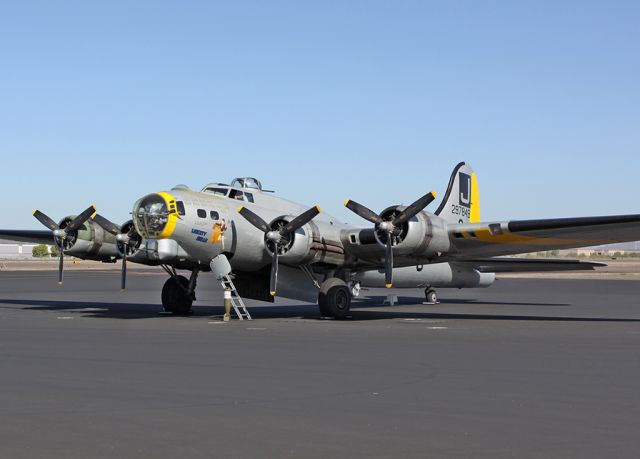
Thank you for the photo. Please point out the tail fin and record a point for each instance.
(461, 202)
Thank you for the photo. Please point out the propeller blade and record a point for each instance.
(254, 219)
(273, 281)
(123, 273)
(362, 211)
(61, 267)
(414, 208)
(107, 225)
(300, 220)
(388, 264)
(45, 220)
(77, 222)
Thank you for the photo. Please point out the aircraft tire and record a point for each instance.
(174, 298)
(334, 299)
(431, 296)
(322, 304)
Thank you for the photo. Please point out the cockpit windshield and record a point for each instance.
(246, 182)
(150, 216)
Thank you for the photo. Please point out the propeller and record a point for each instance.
(390, 226)
(60, 235)
(279, 237)
(124, 242)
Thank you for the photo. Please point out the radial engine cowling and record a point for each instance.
(420, 236)
(89, 242)
(295, 248)
(135, 241)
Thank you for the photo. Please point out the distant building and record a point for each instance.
(11, 250)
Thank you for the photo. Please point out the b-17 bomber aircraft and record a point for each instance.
(272, 246)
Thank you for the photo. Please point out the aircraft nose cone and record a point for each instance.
(151, 215)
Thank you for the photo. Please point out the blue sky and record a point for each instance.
(102, 102)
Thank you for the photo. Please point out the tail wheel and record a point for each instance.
(431, 296)
(174, 296)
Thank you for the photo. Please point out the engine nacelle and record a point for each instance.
(296, 247)
(421, 236)
(135, 247)
(90, 242)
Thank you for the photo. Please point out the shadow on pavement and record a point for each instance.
(373, 301)
(361, 311)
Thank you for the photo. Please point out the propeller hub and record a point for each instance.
(387, 227)
(274, 236)
(124, 238)
(60, 233)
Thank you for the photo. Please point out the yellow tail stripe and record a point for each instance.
(474, 215)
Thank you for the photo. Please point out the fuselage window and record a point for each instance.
(214, 215)
(180, 207)
(249, 197)
(202, 213)
(236, 194)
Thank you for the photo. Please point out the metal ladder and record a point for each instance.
(236, 299)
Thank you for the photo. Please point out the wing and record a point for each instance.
(35, 236)
(524, 236)
(527, 265)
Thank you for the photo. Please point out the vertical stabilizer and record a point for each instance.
(461, 202)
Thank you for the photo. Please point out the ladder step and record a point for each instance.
(236, 300)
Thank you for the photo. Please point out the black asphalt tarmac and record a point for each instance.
(526, 368)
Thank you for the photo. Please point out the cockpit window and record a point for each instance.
(150, 216)
(249, 196)
(214, 215)
(217, 191)
(236, 194)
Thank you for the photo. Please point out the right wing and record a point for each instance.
(473, 240)
(35, 236)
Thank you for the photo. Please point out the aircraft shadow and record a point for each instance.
(361, 311)
(373, 301)
(146, 310)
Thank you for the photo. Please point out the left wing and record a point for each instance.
(473, 240)
(35, 236)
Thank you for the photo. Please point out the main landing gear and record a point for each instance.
(178, 292)
(334, 298)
